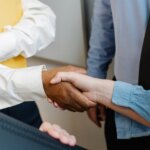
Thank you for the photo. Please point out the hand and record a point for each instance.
(92, 114)
(65, 94)
(58, 133)
(97, 90)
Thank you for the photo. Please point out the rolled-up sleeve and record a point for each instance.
(133, 97)
(19, 85)
(34, 31)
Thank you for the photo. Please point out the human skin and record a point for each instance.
(99, 91)
(58, 133)
(65, 94)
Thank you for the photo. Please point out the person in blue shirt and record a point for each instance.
(129, 100)
(118, 29)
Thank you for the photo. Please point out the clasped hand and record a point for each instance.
(96, 90)
(65, 94)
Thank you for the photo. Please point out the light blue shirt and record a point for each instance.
(118, 28)
(137, 99)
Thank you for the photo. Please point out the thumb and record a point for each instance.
(63, 76)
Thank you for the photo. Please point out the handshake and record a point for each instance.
(69, 88)
(65, 94)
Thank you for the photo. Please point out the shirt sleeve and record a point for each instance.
(102, 44)
(133, 97)
(19, 85)
(34, 31)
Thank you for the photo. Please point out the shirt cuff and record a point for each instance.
(122, 93)
(29, 83)
(133, 97)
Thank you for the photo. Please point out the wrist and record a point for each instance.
(46, 78)
(105, 92)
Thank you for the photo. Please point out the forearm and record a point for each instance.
(106, 89)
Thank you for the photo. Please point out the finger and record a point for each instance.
(63, 76)
(68, 107)
(92, 114)
(64, 136)
(54, 131)
(49, 100)
(55, 105)
(82, 100)
(72, 140)
(58, 133)
(102, 114)
(71, 107)
(45, 126)
(56, 79)
(61, 108)
(56, 127)
(70, 99)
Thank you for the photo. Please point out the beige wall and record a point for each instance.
(88, 135)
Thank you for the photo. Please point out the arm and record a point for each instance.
(102, 43)
(101, 91)
(19, 85)
(35, 31)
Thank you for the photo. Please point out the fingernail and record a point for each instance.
(52, 81)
